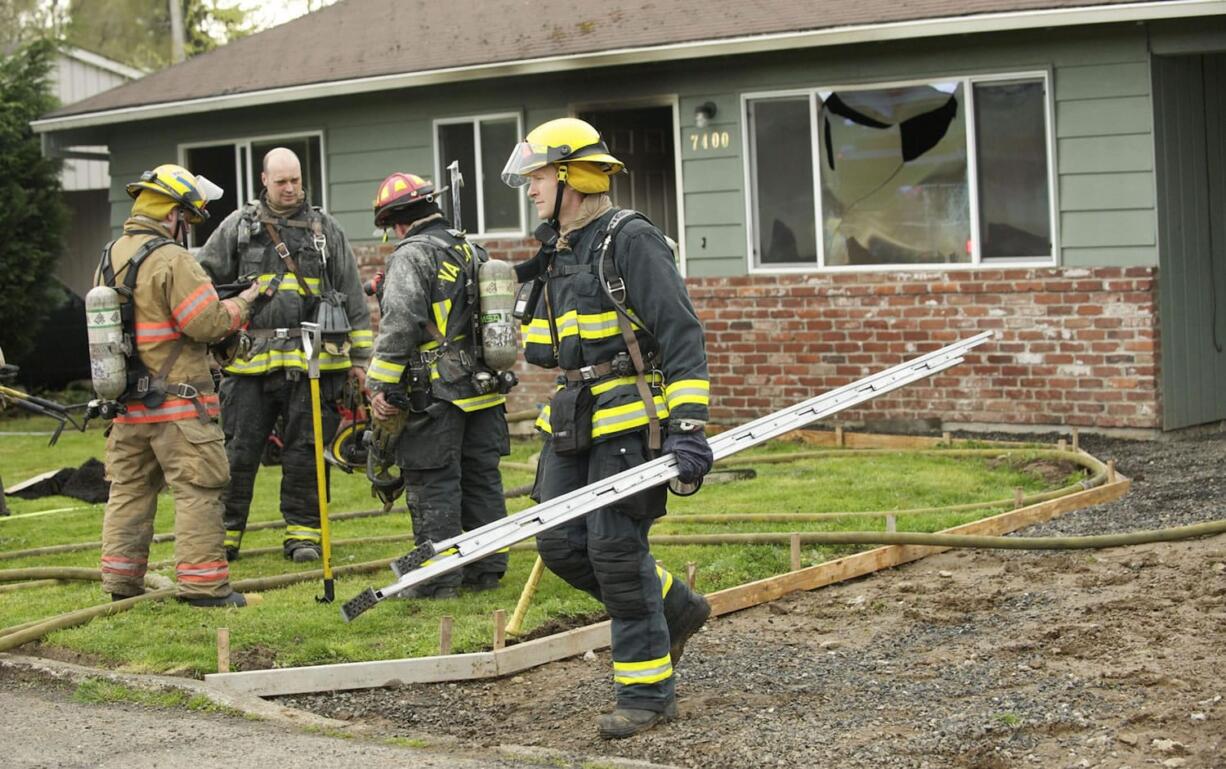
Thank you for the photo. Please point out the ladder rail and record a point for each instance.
(433, 559)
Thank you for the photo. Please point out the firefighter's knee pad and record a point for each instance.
(561, 556)
(618, 569)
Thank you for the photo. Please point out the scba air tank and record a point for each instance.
(104, 325)
(496, 290)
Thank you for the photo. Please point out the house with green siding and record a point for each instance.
(849, 184)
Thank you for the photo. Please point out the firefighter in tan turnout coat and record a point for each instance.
(167, 433)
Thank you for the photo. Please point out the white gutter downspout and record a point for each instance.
(993, 22)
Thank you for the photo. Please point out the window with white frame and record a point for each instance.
(944, 172)
(480, 145)
(236, 166)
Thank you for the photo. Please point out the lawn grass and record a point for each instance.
(290, 628)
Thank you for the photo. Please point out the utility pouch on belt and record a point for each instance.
(570, 420)
(454, 366)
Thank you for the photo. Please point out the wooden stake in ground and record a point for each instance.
(795, 552)
(223, 650)
(691, 574)
(444, 634)
(500, 628)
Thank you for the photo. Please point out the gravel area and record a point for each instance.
(1109, 658)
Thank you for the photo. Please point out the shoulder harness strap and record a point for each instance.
(616, 291)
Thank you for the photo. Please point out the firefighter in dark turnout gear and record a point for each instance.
(305, 270)
(167, 432)
(452, 425)
(609, 308)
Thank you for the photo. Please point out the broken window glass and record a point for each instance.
(894, 175)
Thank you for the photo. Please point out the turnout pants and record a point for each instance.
(452, 484)
(605, 554)
(188, 456)
(250, 406)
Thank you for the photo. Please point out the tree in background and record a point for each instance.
(23, 21)
(32, 212)
(137, 32)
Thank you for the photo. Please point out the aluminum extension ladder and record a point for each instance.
(434, 558)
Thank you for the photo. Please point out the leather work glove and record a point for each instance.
(694, 457)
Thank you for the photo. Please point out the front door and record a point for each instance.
(642, 138)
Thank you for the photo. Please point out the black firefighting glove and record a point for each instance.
(694, 457)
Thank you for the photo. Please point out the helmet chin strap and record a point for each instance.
(549, 230)
(180, 230)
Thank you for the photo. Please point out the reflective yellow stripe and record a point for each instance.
(432, 344)
(303, 532)
(448, 551)
(234, 538)
(271, 360)
(625, 381)
(696, 391)
(619, 418)
(362, 338)
(542, 421)
(441, 311)
(478, 402)
(535, 333)
(385, 371)
(647, 672)
(666, 580)
(289, 282)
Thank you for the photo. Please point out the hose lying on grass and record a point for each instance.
(13, 637)
(1097, 468)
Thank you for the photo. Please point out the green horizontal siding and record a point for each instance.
(1106, 191)
(1104, 117)
(1090, 229)
(1106, 154)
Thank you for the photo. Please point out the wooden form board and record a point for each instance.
(419, 670)
(514, 659)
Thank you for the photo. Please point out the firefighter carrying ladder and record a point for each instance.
(431, 559)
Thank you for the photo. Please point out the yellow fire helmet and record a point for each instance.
(192, 193)
(558, 142)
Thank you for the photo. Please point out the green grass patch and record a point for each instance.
(289, 628)
(97, 691)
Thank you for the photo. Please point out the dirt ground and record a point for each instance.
(992, 659)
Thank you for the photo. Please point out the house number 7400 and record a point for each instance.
(709, 140)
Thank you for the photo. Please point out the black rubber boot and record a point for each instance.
(304, 553)
(122, 597)
(487, 581)
(627, 722)
(231, 554)
(233, 599)
(430, 593)
(692, 618)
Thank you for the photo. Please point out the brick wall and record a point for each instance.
(1074, 346)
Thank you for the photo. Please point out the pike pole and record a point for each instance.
(313, 341)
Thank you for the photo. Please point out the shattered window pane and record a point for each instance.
(783, 211)
(1011, 145)
(894, 175)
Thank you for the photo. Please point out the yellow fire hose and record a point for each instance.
(25, 633)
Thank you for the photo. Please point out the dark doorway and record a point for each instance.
(642, 138)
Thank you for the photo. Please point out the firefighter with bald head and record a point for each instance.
(606, 305)
(438, 406)
(165, 408)
(305, 270)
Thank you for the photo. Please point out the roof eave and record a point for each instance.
(958, 25)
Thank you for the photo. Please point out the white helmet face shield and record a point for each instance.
(208, 190)
(525, 158)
